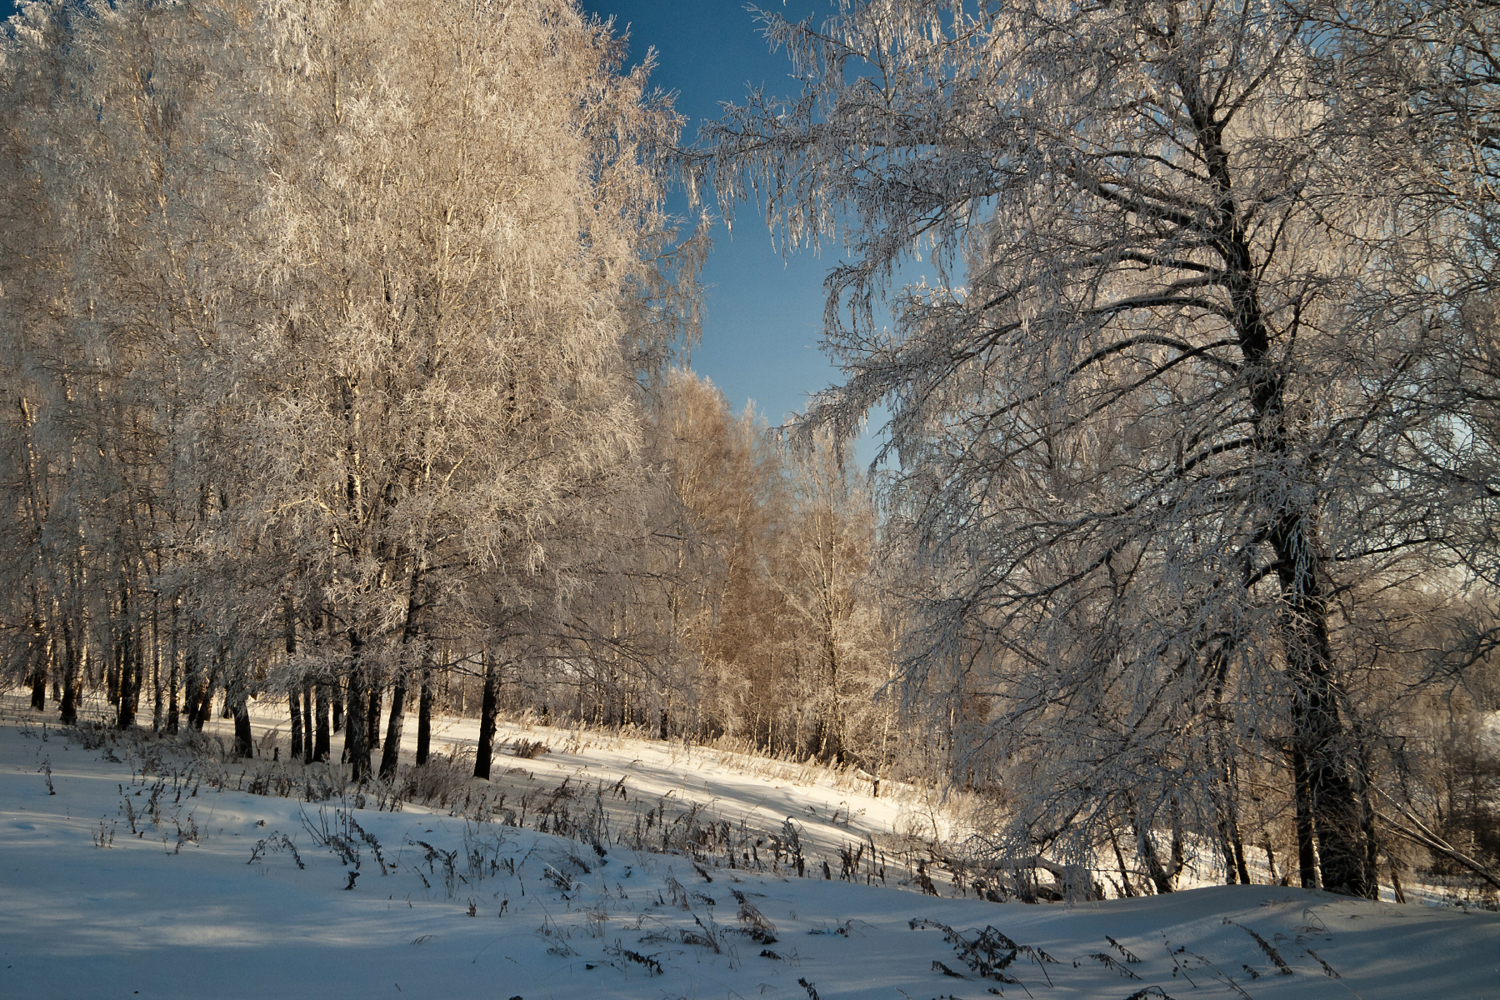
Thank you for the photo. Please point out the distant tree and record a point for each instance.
(824, 568)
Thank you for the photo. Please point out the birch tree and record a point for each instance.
(460, 199)
(325, 331)
(823, 568)
(125, 199)
(1150, 430)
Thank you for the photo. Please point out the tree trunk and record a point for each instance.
(294, 707)
(130, 676)
(173, 711)
(40, 654)
(424, 717)
(70, 677)
(373, 717)
(1319, 735)
(112, 675)
(1231, 873)
(1179, 847)
(1147, 850)
(1125, 886)
(356, 733)
(244, 743)
(194, 692)
(40, 651)
(1307, 865)
(289, 626)
(158, 705)
(307, 722)
(204, 710)
(323, 746)
(39, 685)
(392, 754)
(487, 719)
(1317, 730)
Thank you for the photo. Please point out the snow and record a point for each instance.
(187, 906)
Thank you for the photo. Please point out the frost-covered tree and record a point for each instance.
(823, 567)
(123, 199)
(1152, 423)
(458, 201)
(325, 331)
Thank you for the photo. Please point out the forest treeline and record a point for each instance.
(341, 363)
(337, 366)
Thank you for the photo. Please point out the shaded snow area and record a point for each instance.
(138, 877)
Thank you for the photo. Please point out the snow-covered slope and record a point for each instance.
(127, 884)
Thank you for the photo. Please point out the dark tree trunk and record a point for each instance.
(39, 684)
(338, 712)
(356, 733)
(323, 746)
(130, 677)
(1307, 864)
(112, 675)
(244, 743)
(1320, 738)
(373, 716)
(410, 636)
(392, 755)
(158, 703)
(424, 718)
(41, 652)
(1147, 850)
(289, 628)
(1317, 731)
(204, 710)
(194, 693)
(173, 712)
(70, 677)
(1179, 847)
(1231, 873)
(294, 707)
(487, 719)
(1125, 885)
(1234, 856)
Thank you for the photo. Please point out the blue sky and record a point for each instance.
(763, 315)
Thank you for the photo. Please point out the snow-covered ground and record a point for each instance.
(138, 877)
(832, 809)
